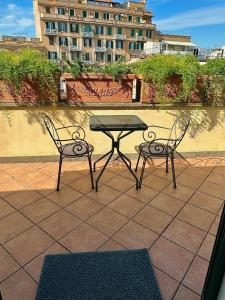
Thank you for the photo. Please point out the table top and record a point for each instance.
(116, 123)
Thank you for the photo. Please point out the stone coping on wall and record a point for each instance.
(114, 106)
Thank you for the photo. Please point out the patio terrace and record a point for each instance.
(177, 226)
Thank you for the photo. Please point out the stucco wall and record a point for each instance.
(23, 134)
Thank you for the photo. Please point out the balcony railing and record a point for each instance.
(75, 48)
(141, 38)
(49, 31)
(121, 36)
(177, 52)
(87, 34)
(100, 49)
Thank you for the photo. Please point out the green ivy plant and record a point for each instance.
(28, 65)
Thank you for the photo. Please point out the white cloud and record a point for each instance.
(210, 15)
(15, 19)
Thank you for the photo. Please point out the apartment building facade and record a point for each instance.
(94, 31)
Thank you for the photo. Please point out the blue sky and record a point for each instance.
(203, 19)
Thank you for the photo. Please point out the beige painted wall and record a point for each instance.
(23, 134)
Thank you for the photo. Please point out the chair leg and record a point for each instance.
(173, 171)
(138, 161)
(143, 170)
(59, 172)
(91, 172)
(167, 163)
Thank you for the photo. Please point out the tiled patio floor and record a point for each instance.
(177, 226)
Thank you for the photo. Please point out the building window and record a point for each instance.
(51, 40)
(109, 44)
(74, 28)
(132, 46)
(86, 57)
(100, 57)
(149, 34)
(119, 44)
(99, 43)
(106, 16)
(48, 9)
(109, 57)
(132, 33)
(140, 45)
(119, 57)
(99, 30)
(138, 19)
(63, 41)
(140, 32)
(50, 25)
(96, 15)
(87, 28)
(84, 14)
(109, 30)
(52, 55)
(75, 55)
(117, 17)
(72, 12)
(87, 42)
(74, 42)
(61, 11)
(130, 18)
(62, 27)
(119, 31)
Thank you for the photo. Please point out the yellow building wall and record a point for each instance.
(24, 135)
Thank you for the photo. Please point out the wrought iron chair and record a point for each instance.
(156, 146)
(76, 146)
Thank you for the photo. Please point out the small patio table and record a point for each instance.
(125, 125)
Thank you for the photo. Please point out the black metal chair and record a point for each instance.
(158, 146)
(77, 146)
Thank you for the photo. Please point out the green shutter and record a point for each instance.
(109, 30)
(119, 30)
(132, 32)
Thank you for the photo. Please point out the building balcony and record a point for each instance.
(51, 31)
(87, 34)
(141, 38)
(100, 49)
(75, 48)
(120, 36)
(189, 52)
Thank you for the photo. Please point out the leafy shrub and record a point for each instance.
(31, 66)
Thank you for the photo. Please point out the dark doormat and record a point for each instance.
(120, 275)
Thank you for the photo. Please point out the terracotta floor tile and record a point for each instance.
(107, 221)
(184, 179)
(111, 245)
(215, 225)
(40, 210)
(82, 185)
(5, 177)
(107, 175)
(161, 172)
(153, 219)
(19, 286)
(195, 276)
(207, 246)
(213, 189)
(167, 284)
(65, 196)
(185, 235)
(13, 225)
(84, 207)
(105, 195)
(219, 170)
(59, 224)
(135, 236)
(167, 204)
(197, 171)
(156, 182)
(32, 177)
(8, 264)
(28, 245)
(23, 198)
(181, 192)
(206, 202)
(35, 266)
(17, 171)
(171, 258)
(45, 187)
(196, 216)
(5, 209)
(145, 194)
(10, 186)
(184, 293)
(120, 184)
(70, 176)
(83, 238)
(126, 205)
(216, 178)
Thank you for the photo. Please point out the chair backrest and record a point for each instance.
(52, 131)
(178, 132)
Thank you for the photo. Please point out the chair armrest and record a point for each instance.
(79, 132)
(151, 133)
